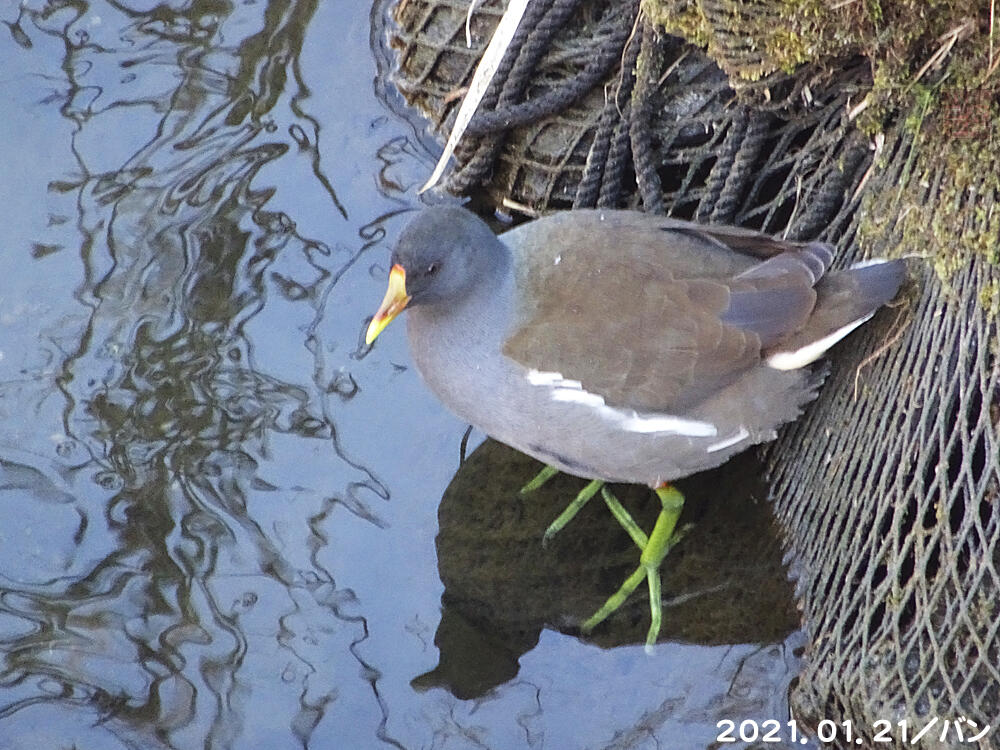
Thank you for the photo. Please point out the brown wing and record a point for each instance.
(642, 342)
(666, 319)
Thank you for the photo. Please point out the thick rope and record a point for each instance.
(508, 109)
(619, 149)
(484, 152)
(745, 163)
(724, 159)
(589, 188)
(618, 162)
(610, 36)
(824, 206)
(648, 67)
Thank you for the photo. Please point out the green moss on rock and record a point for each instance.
(933, 95)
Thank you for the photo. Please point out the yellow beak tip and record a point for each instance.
(374, 329)
(392, 305)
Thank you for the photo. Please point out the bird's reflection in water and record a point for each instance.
(724, 583)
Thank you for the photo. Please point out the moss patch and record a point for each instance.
(944, 205)
(751, 39)
(933, 95)
(907, 42)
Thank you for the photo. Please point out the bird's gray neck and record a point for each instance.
(479, 315)
(456, 345)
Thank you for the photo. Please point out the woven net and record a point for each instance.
(891, 511)
(886, 490)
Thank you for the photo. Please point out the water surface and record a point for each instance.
(218, 513)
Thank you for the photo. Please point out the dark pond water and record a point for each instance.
(219, 515)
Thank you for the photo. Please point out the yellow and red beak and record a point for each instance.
(392, 305)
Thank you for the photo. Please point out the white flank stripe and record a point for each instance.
(635, 422)
(743, 432)
(539, 377)
(809, 353)
(571, 391)
(577, 396)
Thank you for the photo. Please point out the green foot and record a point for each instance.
(654, 549)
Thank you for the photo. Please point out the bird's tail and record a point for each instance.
(845, 300)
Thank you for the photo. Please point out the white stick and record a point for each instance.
(485, 71)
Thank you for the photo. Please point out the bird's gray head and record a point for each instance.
(442, 255)
(444, 251)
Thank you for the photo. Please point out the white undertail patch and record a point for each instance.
(868, 263)
(571, 391)
(793, 360)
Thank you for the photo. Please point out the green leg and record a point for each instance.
(571, 510)
(624, 519)
(654, 549)
(540, 478)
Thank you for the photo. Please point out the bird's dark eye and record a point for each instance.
(432, 269)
